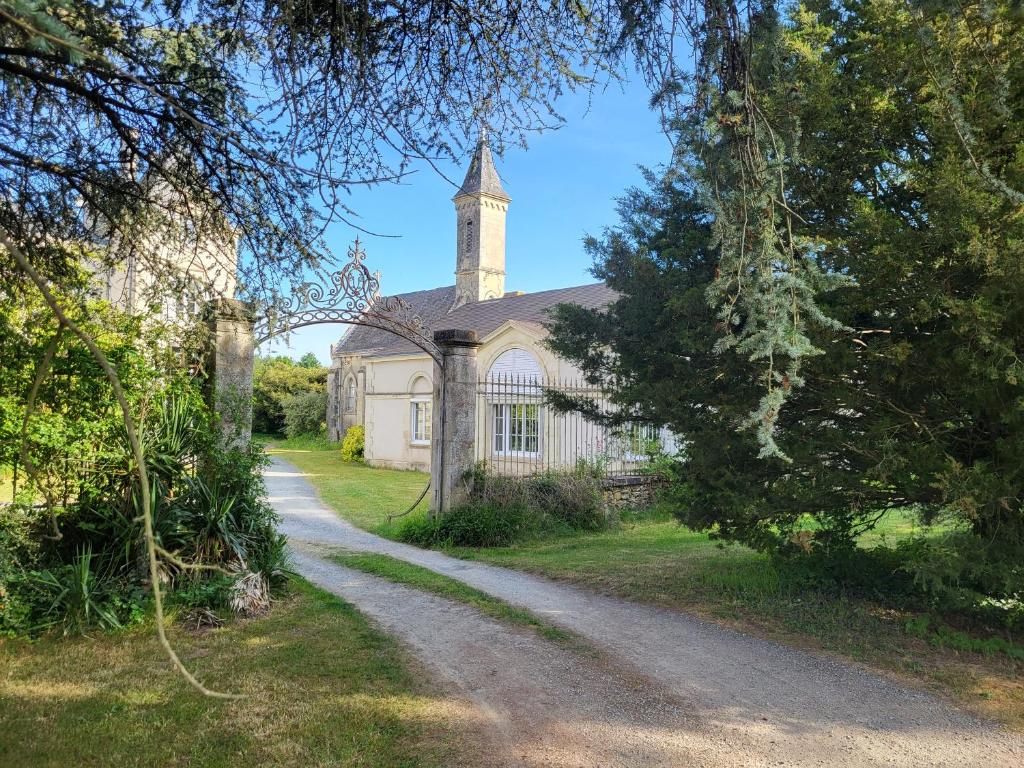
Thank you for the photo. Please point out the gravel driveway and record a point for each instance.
(674, 690)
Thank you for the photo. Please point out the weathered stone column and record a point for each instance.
(453, 450)
(229, 366)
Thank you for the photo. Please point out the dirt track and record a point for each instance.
(677, 691)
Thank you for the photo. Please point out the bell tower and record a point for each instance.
(480, 208)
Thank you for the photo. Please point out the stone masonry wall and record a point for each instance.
(621, 493)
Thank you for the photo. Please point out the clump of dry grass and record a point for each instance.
(249, 594)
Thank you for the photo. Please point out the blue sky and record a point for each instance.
(563, 186)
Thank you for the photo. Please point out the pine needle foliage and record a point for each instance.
(910, 151)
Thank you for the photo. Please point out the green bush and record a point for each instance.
(208, 592)
(78, 596)
(305, 414)
(960, 573)
(574, 499)
(207, 505)
(275, 381)
(206, 502)
(19, 551)
(503, 510)
(479, 524)
(353, 443)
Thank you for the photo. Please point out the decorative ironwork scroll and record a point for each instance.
(352, 297)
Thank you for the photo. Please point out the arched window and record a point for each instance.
(350, 395)
(516, 365)
(420, 412)
(515, 389)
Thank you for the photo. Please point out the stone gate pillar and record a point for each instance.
(453, 450)
(229, 366)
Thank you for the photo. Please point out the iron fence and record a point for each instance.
(520, 432)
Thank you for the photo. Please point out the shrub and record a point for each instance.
(206, 502)
(959, 572)
(478, 524)
(503, 510)
(19, 550)
(78, 597)
(275, 381)
(574, 499)
(203, 591)
(353, 443)
(305, 414)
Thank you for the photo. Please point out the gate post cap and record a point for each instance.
(454, 337)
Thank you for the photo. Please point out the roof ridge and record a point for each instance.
(525, 294)
(481, 316)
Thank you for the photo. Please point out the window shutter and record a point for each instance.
(515, 364)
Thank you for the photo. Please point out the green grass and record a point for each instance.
(424, 579)
(322, 687)
(363, 495)
(655, 560)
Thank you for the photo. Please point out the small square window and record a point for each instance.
(516, 428)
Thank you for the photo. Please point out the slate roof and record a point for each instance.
(435, 309)
(482, 177)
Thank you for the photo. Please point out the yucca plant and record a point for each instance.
(171, 436)
(77, 596)
(210, 523)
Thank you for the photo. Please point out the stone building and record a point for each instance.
(385, 383)
(170, 271)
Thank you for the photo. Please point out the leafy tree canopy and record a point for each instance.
(904, 177)
(276, 380)
(251, 122)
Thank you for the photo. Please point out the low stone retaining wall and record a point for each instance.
(630, 492)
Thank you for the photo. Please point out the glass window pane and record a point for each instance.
(515, 432)
(531, 428)
(499, 428)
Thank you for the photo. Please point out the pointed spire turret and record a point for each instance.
(482, 177)
(480, 208)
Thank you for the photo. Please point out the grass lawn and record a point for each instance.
(322, 688)
(655, 560)
(428, 581)
(363, 495)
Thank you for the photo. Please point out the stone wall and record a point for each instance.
(622, 493)
(340, 416)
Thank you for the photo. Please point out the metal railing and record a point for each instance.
(520, 432)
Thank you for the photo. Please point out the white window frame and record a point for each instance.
(502, 435)
(640, 434)
(415, 405)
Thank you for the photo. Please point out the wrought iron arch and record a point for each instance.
(353, 298)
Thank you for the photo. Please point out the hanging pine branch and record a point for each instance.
(768, 278)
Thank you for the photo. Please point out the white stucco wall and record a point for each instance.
(391, 385)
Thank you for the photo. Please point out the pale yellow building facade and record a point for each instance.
(385, 383)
